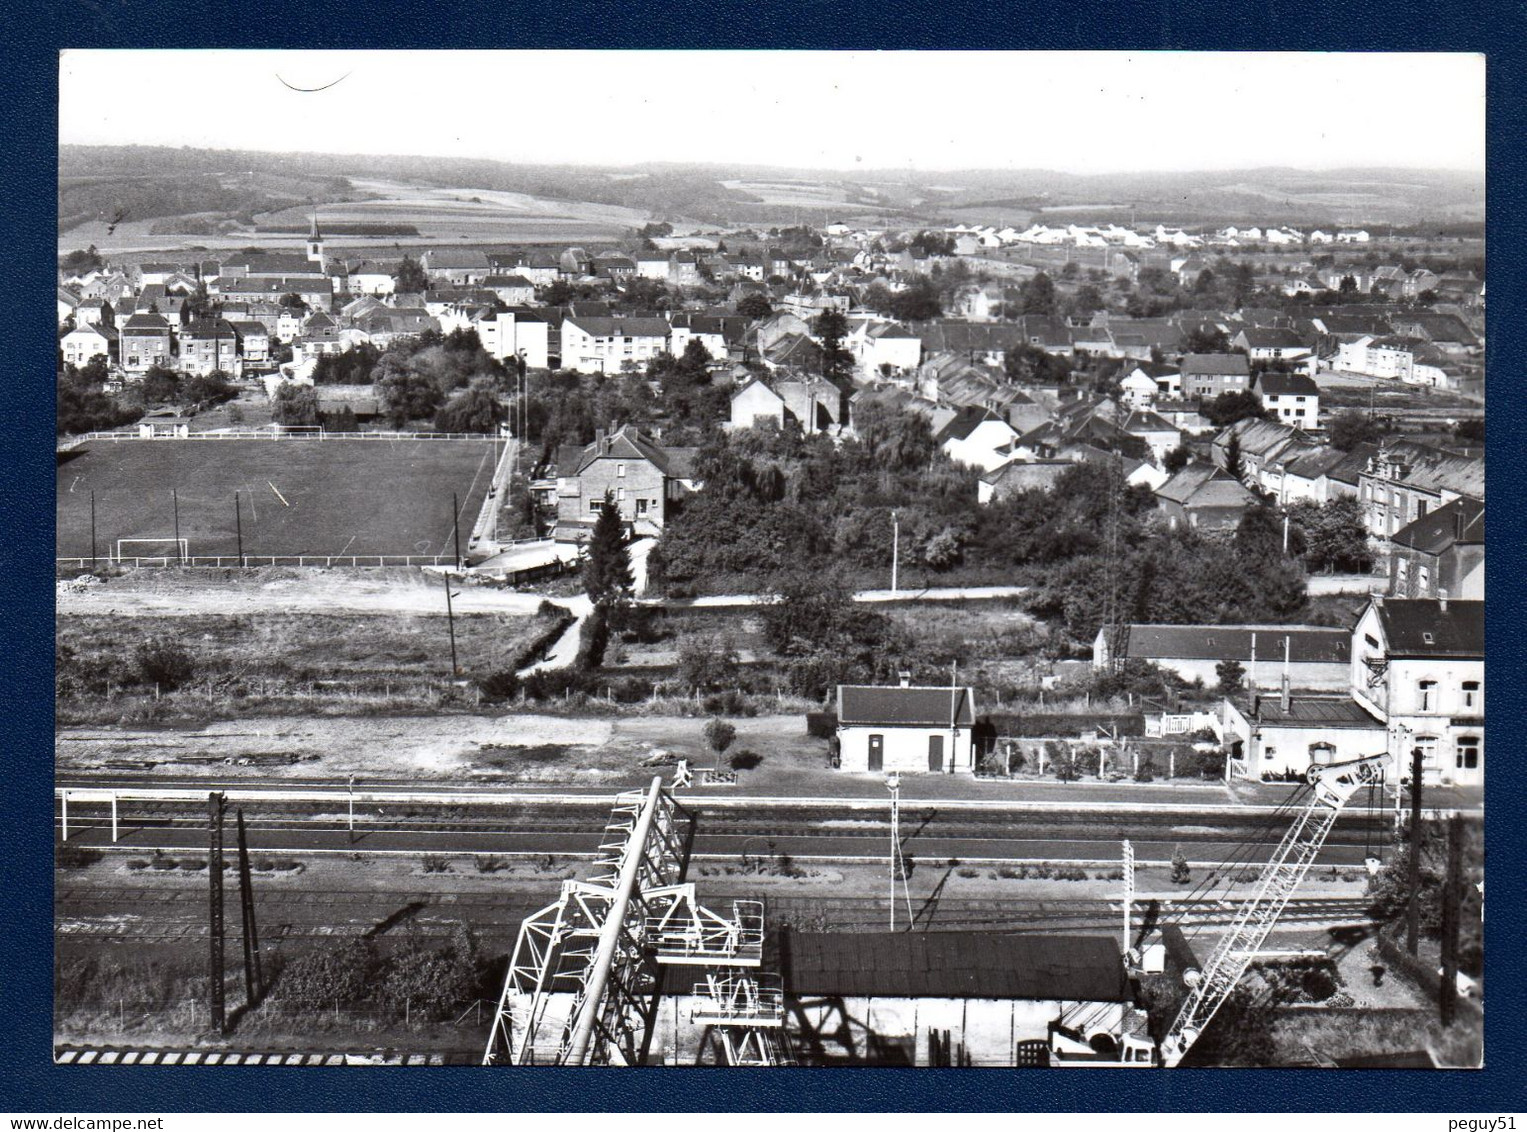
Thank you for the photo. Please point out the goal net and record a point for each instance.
(156, 548)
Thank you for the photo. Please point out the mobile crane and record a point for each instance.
(1332, 785)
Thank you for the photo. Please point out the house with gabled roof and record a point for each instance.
(642, 479)
(611, 345)
(1441, 554)
(1204, 498)
(1158, 433)
(977, 437)
(460, 266)
(906, 729)
(88, 341)
(1418, 664)
(207, 345)
(1404, 481)
(1209, 375)
(811, 405)
(145, 341)
(1292, 398)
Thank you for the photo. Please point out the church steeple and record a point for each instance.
(315, 242)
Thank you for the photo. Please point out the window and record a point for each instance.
(1401, 578)
(1428, 695)
(1322, 753)
(1468, 753)
(620, 495)
(620, 471)
(596, 506)
(1471, 696)
(1423, 579)
(1427, 745)
(641, 506)
(1420, 508)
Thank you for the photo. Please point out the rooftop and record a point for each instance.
(952, 965)
(912, 707)
(1306, 643)
(1433, 627)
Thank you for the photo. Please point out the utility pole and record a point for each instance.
(175, 501)
(893, 784)
(1129, 892)
(456, 525)
(450, 618)
(92, 530)
(1447, 996)
(238, 527)
(895, 548)
(252, 978)
(1413, 880)
(216, 1000)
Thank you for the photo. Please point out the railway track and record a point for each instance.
(140, 1055)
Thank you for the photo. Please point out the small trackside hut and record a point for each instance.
(906, 729)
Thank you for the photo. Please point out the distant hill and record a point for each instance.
(233, 188)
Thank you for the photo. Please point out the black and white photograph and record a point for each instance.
(769, 559)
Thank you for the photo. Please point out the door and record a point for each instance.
(877, 752)
(935, 752)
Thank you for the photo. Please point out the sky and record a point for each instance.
(1074, 112)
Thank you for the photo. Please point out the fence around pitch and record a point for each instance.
(233, 560)
(266, 434)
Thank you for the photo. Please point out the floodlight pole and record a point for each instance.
(456, 525)
(450, 618)
(238, 527)
(92, 531)
(175, 501)
(895, 548)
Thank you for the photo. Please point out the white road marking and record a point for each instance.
(279, 496)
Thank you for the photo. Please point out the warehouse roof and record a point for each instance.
(953, 965)
(913, 707)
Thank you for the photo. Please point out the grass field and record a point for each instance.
(295, 496)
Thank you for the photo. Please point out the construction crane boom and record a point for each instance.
(1332, 786)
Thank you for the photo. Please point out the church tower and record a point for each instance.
(315, 243)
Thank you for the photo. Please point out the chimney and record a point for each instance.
(905, 678)
(1285, 695)
(599, 441)
(1457, 524)
(1442, 600)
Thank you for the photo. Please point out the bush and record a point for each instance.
(1181, 872)
(323, 978)
(77, 856)
(164, 663)
(1318, 984)
(592, 639)
(730, 702)
(744, 759)
(821, 724)
(434, 863)
(499, 685)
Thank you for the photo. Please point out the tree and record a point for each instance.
(719, 735)
(1349, 428)
(1087, 300)
(293, 302)
(1334, 535)
(407, 393)
(837, 363)
(1204, 339)
(755, 306)
(160, 385)
(695, 358)
(295, 405)
(410, 276)
(208, 389)
(1470, 431)
(1027, 364)
(1182, 873)
(82, 260)
(607, 575)
(1233, 406)
(1177, 459)
(471, 410)
(1038, 295)
(917, 302)
(1231, 675)
(706, 663)
(1233, 463)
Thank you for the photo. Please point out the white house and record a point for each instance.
(1418, 664)
(1292, 398)
(514, 334)
(977, 437)
(906, 729)
(610, 345)
(86, 342)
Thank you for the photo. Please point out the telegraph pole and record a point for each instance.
(1413, 911)
(92, 531)
(252, 977)
(893, 783)
(1447, 995)
(238, 527)
(450, 618)
(895, 548)
(175, 501)
(456, 525)
(1129, 891)
(217, 1002)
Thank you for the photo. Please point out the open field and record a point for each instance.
(269, 663)
(295, 496)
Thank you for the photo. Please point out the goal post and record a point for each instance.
(167, 548)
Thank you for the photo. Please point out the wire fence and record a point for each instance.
(121, 1016)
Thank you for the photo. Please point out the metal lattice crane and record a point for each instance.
(1332, 786)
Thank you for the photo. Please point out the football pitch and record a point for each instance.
(295, 497)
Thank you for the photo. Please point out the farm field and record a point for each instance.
(441, 216)
(309, 497)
